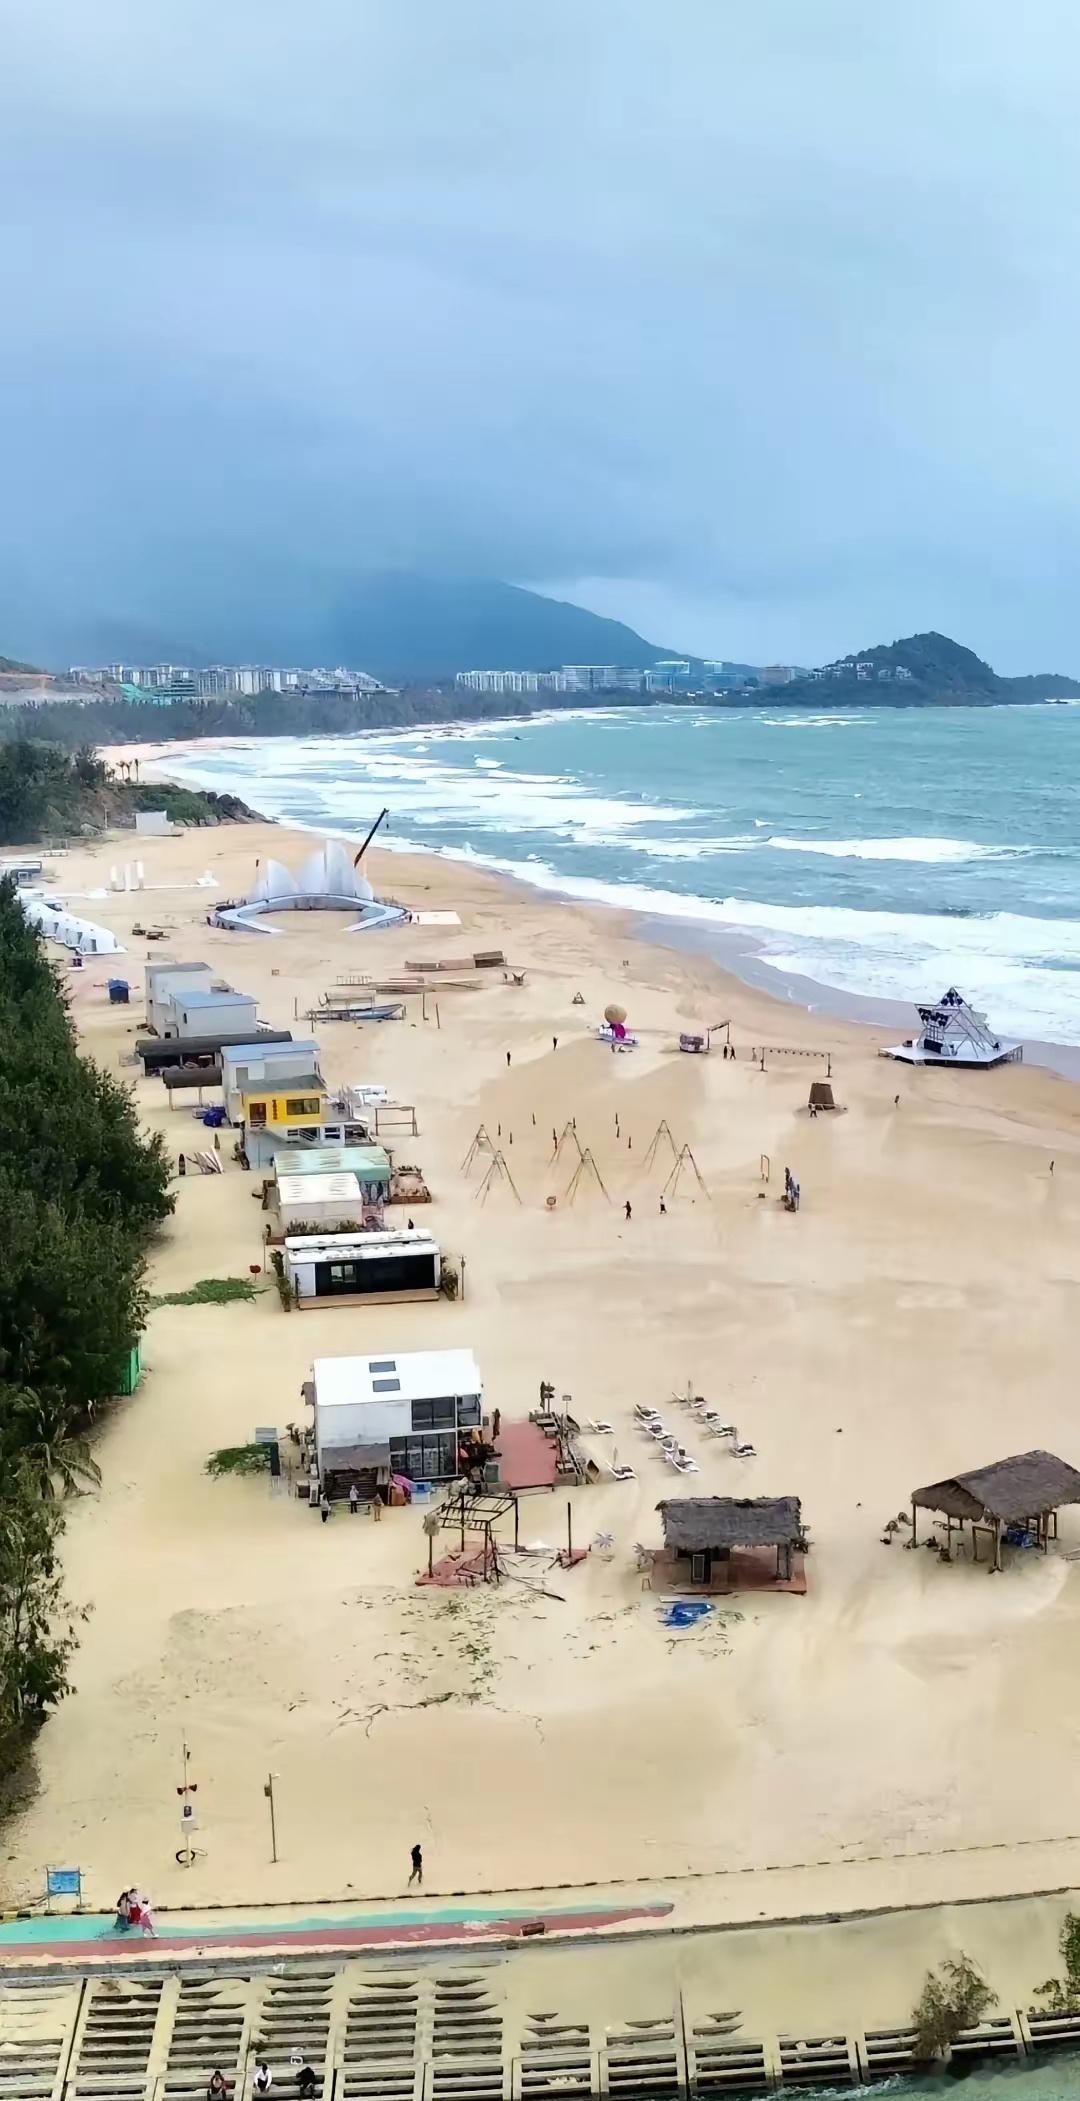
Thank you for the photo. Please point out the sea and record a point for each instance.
(877, 855)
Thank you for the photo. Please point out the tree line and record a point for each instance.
(82, 1192)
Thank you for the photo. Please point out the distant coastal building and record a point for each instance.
(511, 682)
(158, 685)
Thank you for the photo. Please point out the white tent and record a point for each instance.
(328, 881)
(83, 935)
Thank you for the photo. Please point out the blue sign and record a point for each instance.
(63, 1882)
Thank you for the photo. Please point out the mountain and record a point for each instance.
(401, 627)
(10, 664)
(922, 669)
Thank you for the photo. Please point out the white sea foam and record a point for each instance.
(914, 849)
(1024, 970)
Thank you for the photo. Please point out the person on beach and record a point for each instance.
(354, 1500)
(629, 1213)
(417, 1875)
(217, 2085)
(264, 2078)
(663, 1208)
(181, 1165)
(123, 1911)
(554, 1043)
(324, 1506)
(496, 1421)
(305, 2077)
(508, 1060)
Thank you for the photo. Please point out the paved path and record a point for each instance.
(91, 1937)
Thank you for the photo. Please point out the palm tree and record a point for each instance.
(42, 1446)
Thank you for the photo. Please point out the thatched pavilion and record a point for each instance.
(705, 1531)
(1026, 1491)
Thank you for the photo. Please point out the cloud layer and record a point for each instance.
(753, 324)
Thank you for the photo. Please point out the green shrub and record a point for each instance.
(954, 1997)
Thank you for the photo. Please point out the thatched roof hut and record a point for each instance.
(707, 1528)
(1026, 1489)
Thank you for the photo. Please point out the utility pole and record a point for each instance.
(268, 1791)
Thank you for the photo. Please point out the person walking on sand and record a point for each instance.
(508, 1061)
(417, 1875)
(496, 1421)
(554, 1043)
(629, 1213)
(324, 1506)
(663, 1208)
(354, 1500)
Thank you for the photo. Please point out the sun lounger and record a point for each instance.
(657, 1430)
(744, 1451)
(601, 1428)
(622, 1473)
(683, 1463)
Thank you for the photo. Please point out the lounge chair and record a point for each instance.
(601, 1428)
(622, 1473)
(683, 1463)
(745, 1451)
(658, 1431)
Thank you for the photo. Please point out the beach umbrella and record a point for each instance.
(614, 1014)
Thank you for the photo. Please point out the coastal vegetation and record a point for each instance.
(955, 1996)
(81, 1194)
(46, 789)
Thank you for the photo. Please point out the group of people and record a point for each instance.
(263, 2079)
(133, 1910)
(792, 1191)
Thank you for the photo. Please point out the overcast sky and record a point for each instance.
(753, 321)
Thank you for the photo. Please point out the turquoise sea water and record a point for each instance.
(883, 852)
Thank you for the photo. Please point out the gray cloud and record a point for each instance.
(750, 321)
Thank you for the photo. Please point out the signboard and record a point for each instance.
(63, 1882)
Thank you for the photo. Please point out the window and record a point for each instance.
(383, 1364)
(302, 1105)
(386, 1386)
(699, 1568)
(433, 1415)
(257, 1115)
(468, 1409)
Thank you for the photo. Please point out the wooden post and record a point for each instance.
(569, 1527)
(515, 1524)
(431, 1553)
(463, 1520)
(914, 1526)
(997, 1543)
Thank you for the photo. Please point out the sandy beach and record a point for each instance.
(903, 1733)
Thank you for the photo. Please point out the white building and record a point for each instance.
(401, 1414)
(306, 1203)
(400, 1264)
(165, 978)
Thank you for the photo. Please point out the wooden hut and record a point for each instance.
(1022, 1494)
(821, 1095)
(701, 1532)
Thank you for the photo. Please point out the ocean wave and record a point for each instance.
(913, 849)
(814, 722)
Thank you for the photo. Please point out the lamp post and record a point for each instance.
(268, 1791)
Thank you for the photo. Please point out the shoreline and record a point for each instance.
(736, 952)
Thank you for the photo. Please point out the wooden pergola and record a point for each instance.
(1027, 1490)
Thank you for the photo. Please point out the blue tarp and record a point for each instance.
(686, 1612)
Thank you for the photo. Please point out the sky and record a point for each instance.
(752, 322)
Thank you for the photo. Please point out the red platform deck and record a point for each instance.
(526, 1456)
